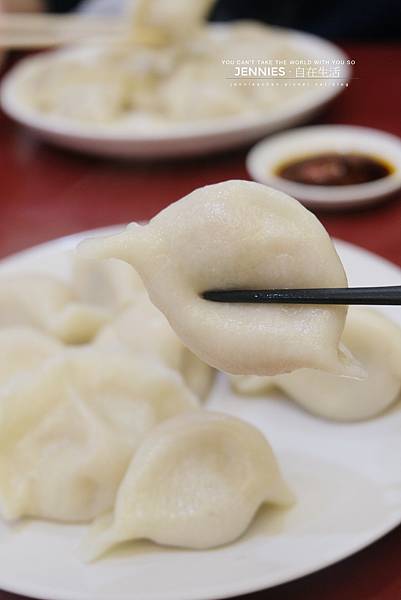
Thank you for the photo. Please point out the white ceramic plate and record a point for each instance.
(347, 479)
(264, 158)
(146, 139)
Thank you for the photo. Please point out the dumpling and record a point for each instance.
(23, 349)
(239, 234)
(31, 299)
(174, 19)
(253, 385)
(375, 341)
(196, 482)
(46, 303)
(110, 284)
(78, 323)
(199, 77)
(91, 91)
(68, 432)
(144, 331)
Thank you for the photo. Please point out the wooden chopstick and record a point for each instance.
(33, 31)
(387, 295)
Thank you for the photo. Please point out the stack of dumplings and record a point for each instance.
(104, 379)
(124, 85)
(68, 431)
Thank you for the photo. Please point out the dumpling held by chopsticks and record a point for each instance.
(239, 235)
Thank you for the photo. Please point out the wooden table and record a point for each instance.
(46, 193)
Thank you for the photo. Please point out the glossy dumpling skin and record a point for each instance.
(196, 482)
(238, 234)
(48, 304)
(68, 432)
(31, 299)
(144, 331)
(375, 341)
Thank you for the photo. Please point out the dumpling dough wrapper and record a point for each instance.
(142, 330)
(48, 304)
(243, 235)
(375, 342)
(195, 482)
(68, 432)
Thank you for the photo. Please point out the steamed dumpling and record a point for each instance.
(196, 482)
(200, 77)
(78, 323)
(253, 385)
(174, 19)
(110, 284)
(375, 341)
(31, 299)
(23, 349)
(239, 234)
(68, 432)
(144, 331)
(48, 304)
(86, 91)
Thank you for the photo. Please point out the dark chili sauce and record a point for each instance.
(332, 168)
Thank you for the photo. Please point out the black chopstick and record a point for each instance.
(390, 295)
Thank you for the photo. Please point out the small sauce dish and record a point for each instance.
(329, 166)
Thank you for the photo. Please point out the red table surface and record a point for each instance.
(46, 193)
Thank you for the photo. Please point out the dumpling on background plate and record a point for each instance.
(68, 432)
(145, 332)
(244, 235)
(85, 91)
(173, 19)
(375, 341)
(196, 482)
(48, 304)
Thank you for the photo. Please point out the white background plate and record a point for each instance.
(347, 479)
(149, 140)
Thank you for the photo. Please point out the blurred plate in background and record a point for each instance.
(346, 478)
(147, 139)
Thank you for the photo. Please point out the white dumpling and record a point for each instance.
(239, 234)
(175, 19)
(68, 432)
(179, 94)
(252, 385)
(78, 323)
(196, 482)
(375, 341)
(88, 91)
(48, 304)
(31, 299)
(23, 349)
(144, 331)
(110, 284)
